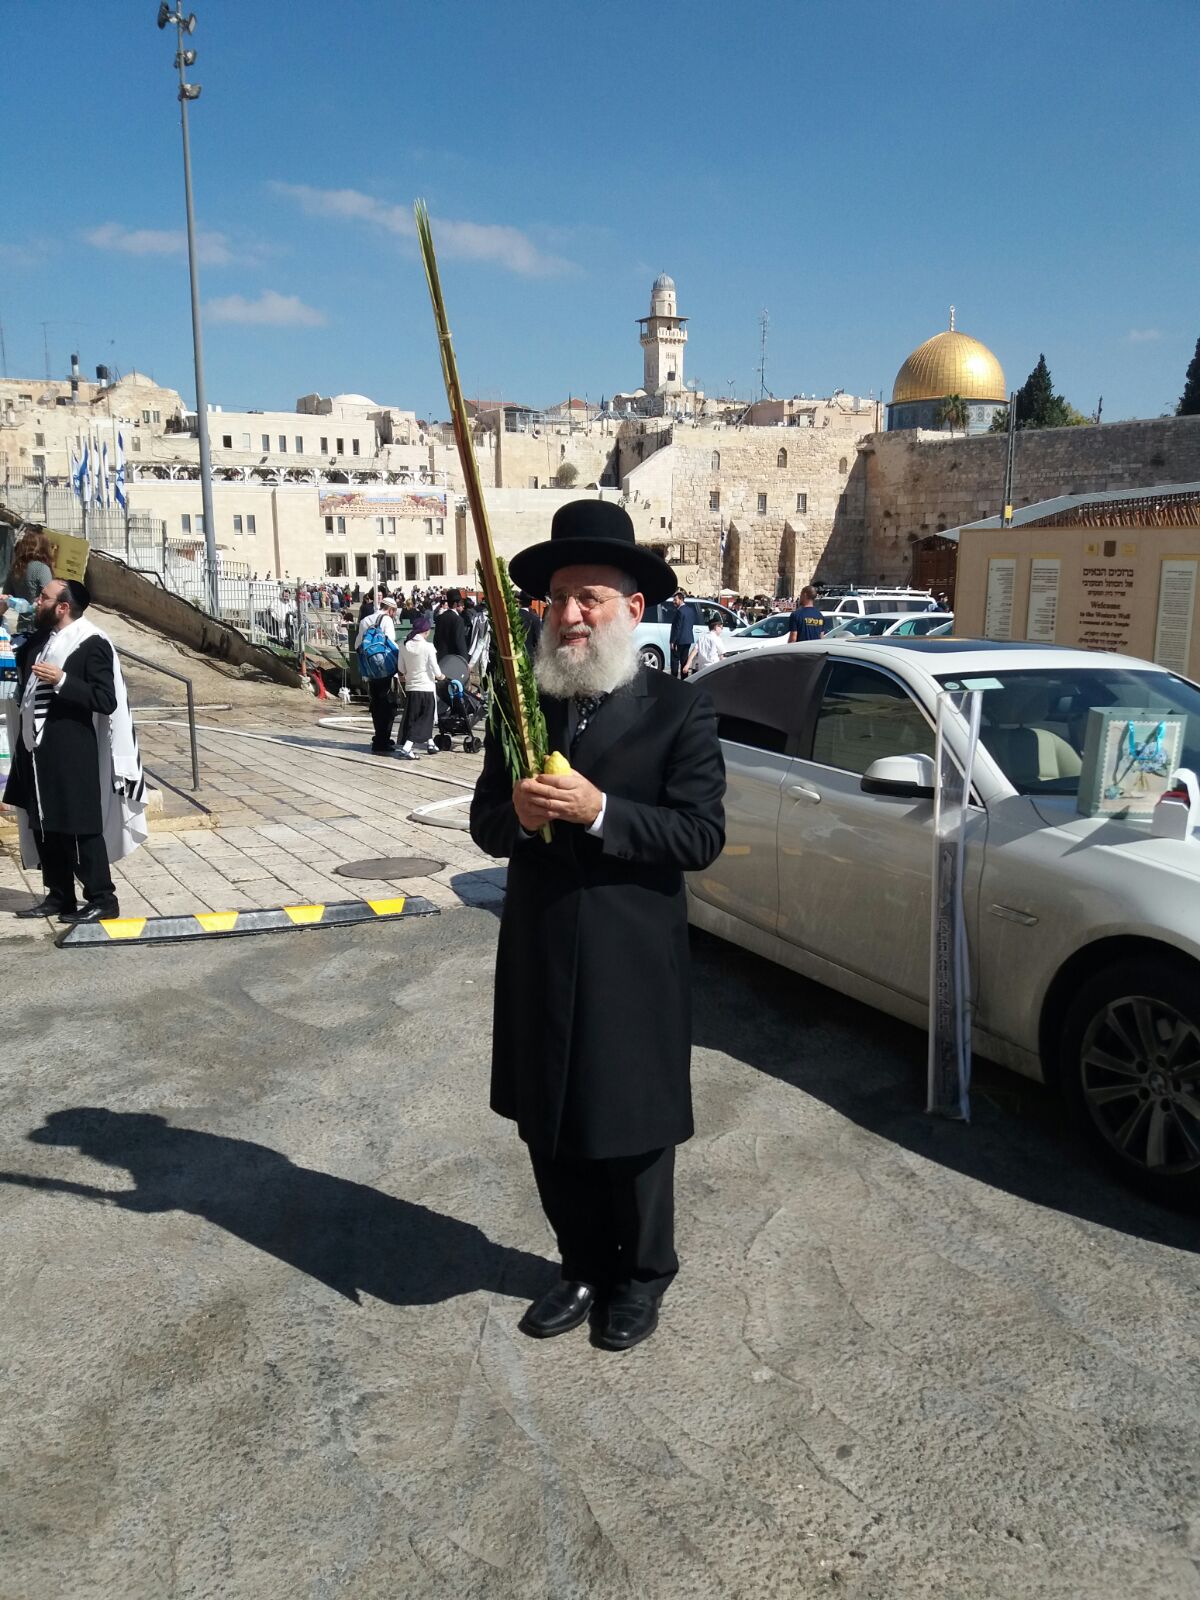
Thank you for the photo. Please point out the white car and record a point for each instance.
(1084, 931)
(770, 630)
(870, 602)
(889, 624)
(653, 633)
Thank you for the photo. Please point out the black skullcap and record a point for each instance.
(80, 597)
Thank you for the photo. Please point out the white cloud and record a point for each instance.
(270, 310)
(496, 242)
(1143, 335)
(212, 249)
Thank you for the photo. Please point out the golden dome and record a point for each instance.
(950, 363)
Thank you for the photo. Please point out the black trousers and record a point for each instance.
(614, 1220)
(383, 711)
(67, 856)
(679, 657)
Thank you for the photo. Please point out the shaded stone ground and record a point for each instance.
(265, 1251)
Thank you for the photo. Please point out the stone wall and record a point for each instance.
(811, 525)
(918, 484)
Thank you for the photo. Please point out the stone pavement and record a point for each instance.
(265, 1252)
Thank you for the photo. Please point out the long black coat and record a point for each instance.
(58, 784)
(591, 1042)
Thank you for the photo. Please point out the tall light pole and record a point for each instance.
(191, 91)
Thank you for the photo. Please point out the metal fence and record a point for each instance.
(266, 611)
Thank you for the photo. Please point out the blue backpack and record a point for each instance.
(378, 656)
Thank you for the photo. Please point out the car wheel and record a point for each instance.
(652, 657)
(1131, 1070)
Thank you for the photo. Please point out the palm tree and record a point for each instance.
(952, 413)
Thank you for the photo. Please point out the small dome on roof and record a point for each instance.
(352, 400)
(663, 282)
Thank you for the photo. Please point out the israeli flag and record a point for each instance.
(119, 474)
(103, 496)
(724, 539)
(83, 481)
(74, 471)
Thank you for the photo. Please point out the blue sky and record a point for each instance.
(852, 168)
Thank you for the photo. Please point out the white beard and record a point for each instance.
(608, 660)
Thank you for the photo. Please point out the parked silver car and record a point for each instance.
(1084, 931)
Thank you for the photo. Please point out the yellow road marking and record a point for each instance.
(217, 921)
(387, 908)
(304, 914)
(123, 927)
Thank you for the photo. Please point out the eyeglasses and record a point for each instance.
(585, 599)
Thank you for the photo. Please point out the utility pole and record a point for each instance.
(46, 348)
(762, 354)
(1006, 518)
(191, 91)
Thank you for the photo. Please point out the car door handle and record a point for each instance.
(804, 791)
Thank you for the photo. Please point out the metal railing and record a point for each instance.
(265, 610)
(130, 655)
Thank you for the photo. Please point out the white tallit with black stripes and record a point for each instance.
(122, 781)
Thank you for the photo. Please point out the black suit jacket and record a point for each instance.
(591, 1043)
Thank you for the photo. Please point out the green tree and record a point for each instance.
(1039, 407)
(953, 413)
(1189, 400)
(566, 475)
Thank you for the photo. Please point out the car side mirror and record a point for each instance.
(901, 777)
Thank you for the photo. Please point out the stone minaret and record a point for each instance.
(663, 339)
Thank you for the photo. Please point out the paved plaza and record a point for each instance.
(266, 1250)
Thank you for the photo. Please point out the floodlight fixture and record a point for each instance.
(185, 58)
(190, 25)
(189, 91)
(164, 14)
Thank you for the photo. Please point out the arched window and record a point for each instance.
(843, 464)
(781, 459)
(716, 461)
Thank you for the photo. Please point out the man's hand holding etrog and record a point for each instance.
(566, 798)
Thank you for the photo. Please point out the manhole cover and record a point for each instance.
(390, 867)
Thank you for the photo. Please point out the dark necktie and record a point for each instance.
(586, 705)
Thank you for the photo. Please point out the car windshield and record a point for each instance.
(1034, 723)
(858, 627)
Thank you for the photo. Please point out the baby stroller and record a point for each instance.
(458, 707)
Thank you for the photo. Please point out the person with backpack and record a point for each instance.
(378, 659)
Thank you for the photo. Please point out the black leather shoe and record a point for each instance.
(559, 1310)
(49, 907)
(626, 1320)
(94, 911)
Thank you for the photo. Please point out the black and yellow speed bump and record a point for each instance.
(237, 924)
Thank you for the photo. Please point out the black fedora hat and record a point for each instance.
(592, 533)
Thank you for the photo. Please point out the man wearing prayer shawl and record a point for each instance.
(76, 777)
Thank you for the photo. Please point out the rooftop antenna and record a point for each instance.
(46, 348)
(763, 321)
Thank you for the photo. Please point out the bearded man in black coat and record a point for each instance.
(591, 1047)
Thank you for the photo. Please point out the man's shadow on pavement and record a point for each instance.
(346, 1235)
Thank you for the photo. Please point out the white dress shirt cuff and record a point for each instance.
(60, 683)
(597, 828)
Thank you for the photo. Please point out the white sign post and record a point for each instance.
(949, 965)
